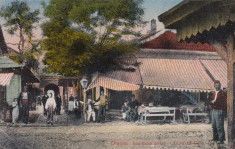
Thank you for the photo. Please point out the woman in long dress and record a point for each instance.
(15, 111)
(50, 106)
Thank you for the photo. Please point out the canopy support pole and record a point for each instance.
(231, 91)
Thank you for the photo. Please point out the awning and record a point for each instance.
(5, 78)
(218, 70)
(112, 84)
(175, 74)
(132, 77)
(196, 18)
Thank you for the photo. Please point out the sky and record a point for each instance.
(152, 8)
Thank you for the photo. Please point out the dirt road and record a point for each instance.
(108, 135)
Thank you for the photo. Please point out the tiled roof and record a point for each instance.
(166, 39)
(7, 63)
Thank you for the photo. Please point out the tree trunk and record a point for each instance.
(21, 42)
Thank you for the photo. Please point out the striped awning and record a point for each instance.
(112, 84)
(218, 70)
(175, 74)
(5, 78)
(132, 77)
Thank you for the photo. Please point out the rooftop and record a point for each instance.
(167, 39)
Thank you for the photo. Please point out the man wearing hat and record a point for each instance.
(133, 114)
(102, 106)
(25, 101)
(218, 104)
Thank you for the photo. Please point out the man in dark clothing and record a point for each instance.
(218, 104)
(125, 110)
(25, 99)
(77, 108)
(44, 100)
(58, 104)
(133, 114)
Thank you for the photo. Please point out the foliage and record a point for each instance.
(19, 19)
(29, 57)
(86, 36)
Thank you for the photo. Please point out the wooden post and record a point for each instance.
(84, 106)
(228, 54)
(231, 91)
(92, 94)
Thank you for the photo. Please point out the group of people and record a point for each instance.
(97, 115)
(130, 110)
(218, 104)
(101, 103)
(22, 104)
(133, 111)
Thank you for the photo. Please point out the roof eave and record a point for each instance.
(171, 17)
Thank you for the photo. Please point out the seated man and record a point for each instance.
(133, 115)
(125, 110)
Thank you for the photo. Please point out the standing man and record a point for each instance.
(25, 102)
(102, 106)
(44, 100)
(58, 104)
(219, 105)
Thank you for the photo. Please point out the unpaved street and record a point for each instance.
(109, 135)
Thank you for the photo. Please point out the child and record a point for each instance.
(141, 110)
(15, 111)
(125, 110)
(90, 110)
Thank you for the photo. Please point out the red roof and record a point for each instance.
(166, 39)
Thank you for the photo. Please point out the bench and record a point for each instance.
(159, 112)
(187, 114)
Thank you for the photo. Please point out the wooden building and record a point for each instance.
(212, 22)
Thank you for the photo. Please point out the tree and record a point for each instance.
(87, 36)
(19, 19)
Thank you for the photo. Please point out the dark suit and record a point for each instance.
(58, 105)
(44, 100)
(218, 112)
(25, 105)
